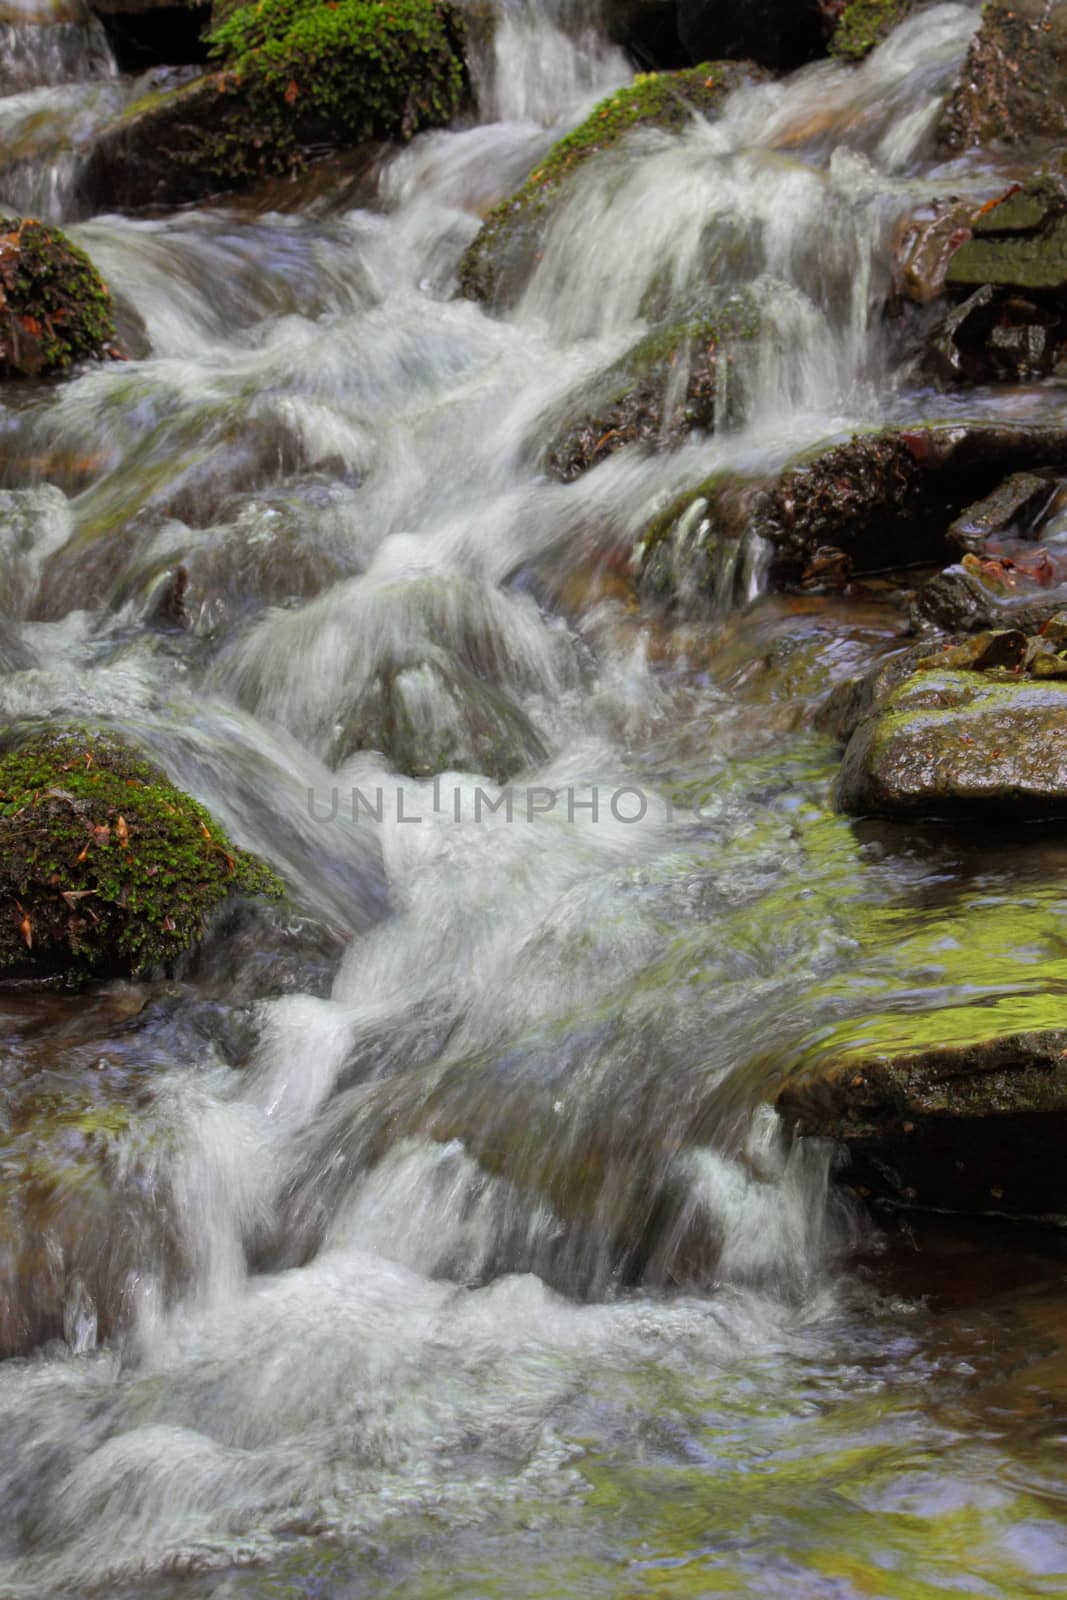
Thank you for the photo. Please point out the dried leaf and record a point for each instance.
(122, 832)
(292, 91)
(26, 930)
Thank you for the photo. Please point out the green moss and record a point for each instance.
(55, 308)
(665, 100)
(347, 71)
(864, 24)
(105, 867)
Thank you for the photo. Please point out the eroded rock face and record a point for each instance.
(949, 742)
(963, 1109)
(1012, 87)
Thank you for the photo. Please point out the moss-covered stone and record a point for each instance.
(962, 1108)
(105, 868)
(55, 308)
(949, 741)
(863, 24)
(295, 77)
(499, 259)
(676, 381)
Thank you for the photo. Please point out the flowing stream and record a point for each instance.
(435, 1238)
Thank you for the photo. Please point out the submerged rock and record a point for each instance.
(678, 380)
(947, 742)
(1013, 86)
(292, 80)
(499, 260)
(431, 715)
(105, 868)
(55, 308)
(962, 1109)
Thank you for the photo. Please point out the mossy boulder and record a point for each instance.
(678, 380)
(949, 742)
(960, 1109)
(55, 308)
(498, 262)
(105, 868)
(295, 78)
(863, 24)
(1013, 86)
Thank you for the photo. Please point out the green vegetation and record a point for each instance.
(864, 24)
(105, 867)
(54, 306)
(345, 70)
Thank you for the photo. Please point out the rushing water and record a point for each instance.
(434, 1239)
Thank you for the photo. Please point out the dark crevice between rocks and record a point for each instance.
(161, 36)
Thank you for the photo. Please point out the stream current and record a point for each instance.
(435, 1238)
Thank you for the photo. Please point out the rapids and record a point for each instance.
(435, 1238)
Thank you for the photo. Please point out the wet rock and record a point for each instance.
(377, 74)
(962, 599)
(1006, 648)
(997, 337)
(863, 24)
(1012, 87)
(1013, 506)
(928, 240)
(1020, 243)
(780, 34)
(1009, 259)
(963, 1109)
(430, 715)
(951, 742)
(880, 501)
(55, 308)
(107, 869)
(848, 703)
(677, 381)
(498, 262)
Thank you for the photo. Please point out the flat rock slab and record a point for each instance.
(963, 1109)
(948, 743)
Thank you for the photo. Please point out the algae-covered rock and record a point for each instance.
(1013, 86)
(950, 742)
(498, 262)
(676, 381)
(430, 715)
(295, 77)
(863, 24)
(105, 868)
(962, 1109)
(55, 308)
